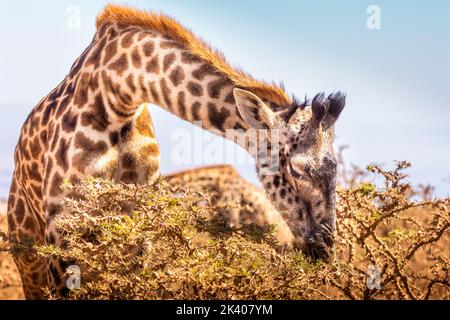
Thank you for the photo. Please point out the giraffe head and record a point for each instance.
(302, 184)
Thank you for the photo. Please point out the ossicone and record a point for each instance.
(319, 108)
(335, 108)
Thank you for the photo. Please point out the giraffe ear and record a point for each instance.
(253, 110)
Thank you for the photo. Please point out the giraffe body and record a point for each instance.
(95, 124)
(127, 152)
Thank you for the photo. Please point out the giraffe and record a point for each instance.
(96, 123)
(82, 144)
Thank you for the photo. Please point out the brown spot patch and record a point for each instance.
(123, 99)
(129, 177)
(13, 187)
(195, 89)
(48, 111)
(75, 179)
(23, 149)
(114, 138)
(196, 111)
(126, 130)
(11, 224)
(128, 161)
(130, 83)
(37, 190)
(110, 51)
(238, 126)
(35, 147)
(70, 89)
(182, 104)
(153, 65)
(69, 122)
(53, 209)
(61, 154)
(19, 211)
(215, 87)
(148, 48)
(217, 117)
(97, 116)
(43, 136)
(154, 93)
(230, 98)
(169, 44)
(144, 94)
(63, 106)
(55, 137)
(29, 224)
(177, 76)
(94, 84)
(145, 34)
(48, 170)
(34, 172)
(55, 187)
(203, 71)
(136, 58)
(11, 201)
(34, 124)
(90, 150)
(120, 65)
(166, 93)
(190, 58)
(168, 61)
(81, 91)
(127, 40)
(102, 30)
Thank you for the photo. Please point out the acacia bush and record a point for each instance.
(10, 284)
(165, 242)
(401, 231)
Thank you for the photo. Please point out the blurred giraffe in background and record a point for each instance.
(237, 200)
(93, 124)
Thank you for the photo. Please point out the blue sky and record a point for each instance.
(397, 78)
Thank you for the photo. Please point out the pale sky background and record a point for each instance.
(397, 78)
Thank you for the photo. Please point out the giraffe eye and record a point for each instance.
(295, 173)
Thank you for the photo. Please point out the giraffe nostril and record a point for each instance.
(319, 243)
(318, 252)
(328, 239)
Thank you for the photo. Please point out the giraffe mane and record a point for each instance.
(172, 29)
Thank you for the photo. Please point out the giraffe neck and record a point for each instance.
(136, 66)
